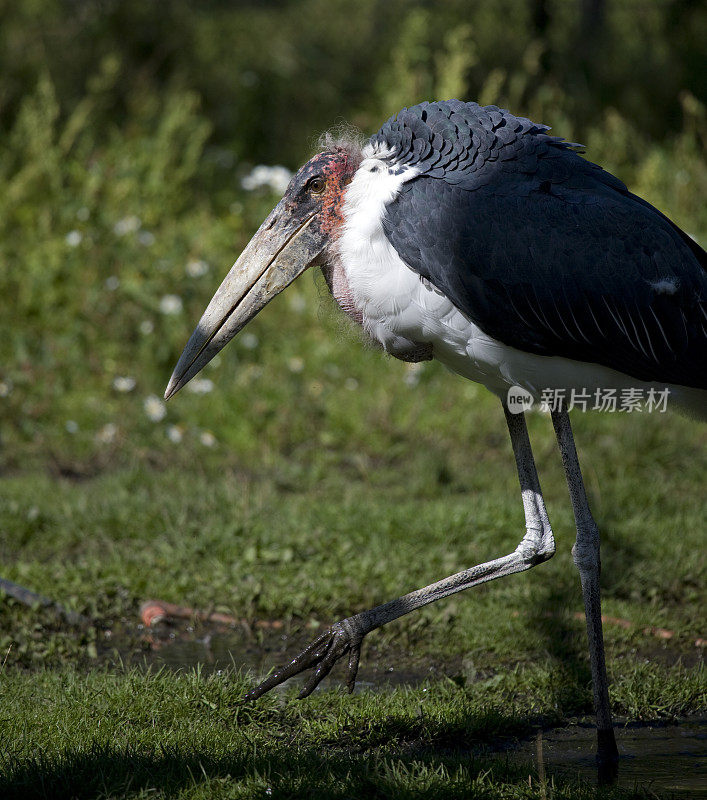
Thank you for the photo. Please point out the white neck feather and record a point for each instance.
(378, 280)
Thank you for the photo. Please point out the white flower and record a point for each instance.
(200, 385)
(123, 383)
(71, 426)
(112, 283)
(249, 341)
(174, 434)
(275, 178)
(207, 439)
(73, 238)
(5, 388)
(297, 303)
(412, 378)
(196, 268)
(171, 304)
(126, 225)
(107, 433)
(146, 238)
(351, 384)
(83, 214)
(146, 327)
(295, 364)
(154, 408)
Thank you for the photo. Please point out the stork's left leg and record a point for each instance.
(344, 637)
(586, 556)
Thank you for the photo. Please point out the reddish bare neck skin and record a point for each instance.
(336, 280)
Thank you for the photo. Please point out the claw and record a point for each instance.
(322, 670)
(322, 654)
(354, 655)
(307, 658)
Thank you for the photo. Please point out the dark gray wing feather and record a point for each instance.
(544, 250)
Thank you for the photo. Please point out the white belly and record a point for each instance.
(401, 311)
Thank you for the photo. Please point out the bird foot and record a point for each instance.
(342, 638)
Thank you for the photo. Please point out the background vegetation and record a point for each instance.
(305, 477)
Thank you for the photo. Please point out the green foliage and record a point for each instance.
(272, 74)
(95, 229)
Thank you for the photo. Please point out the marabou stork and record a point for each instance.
(469, 235)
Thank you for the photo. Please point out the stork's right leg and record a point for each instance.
(345, 637)
(586, 557)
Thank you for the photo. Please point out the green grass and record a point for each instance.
(128, 734)
(316, 538)
(311, 538)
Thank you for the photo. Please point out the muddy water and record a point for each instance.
(665, 759)
(668, 759)
(184, 648)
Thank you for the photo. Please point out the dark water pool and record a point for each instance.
(668, 759)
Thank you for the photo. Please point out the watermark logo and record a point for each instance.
(626, 401)
(518, 400)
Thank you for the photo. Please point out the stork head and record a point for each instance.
(298, 233)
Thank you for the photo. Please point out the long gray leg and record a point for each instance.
(345, 637)
(586, 556)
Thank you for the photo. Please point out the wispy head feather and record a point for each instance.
(343, 138)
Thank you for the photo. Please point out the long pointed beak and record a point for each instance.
(281, 250)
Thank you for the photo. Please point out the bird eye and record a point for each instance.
(316, 185)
